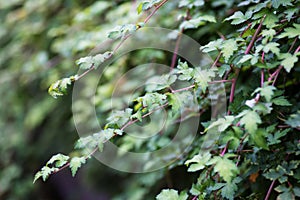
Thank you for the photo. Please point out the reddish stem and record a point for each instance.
(255, 35)
(224, 150)
(176, 50)
(195, 198)
(232, 90)
(154, 11)
(276, 73)
(220, 81)
(217, 59)
(145, 115)
(244, 31)
(270, 190)
(297, 50)
(262, 77)
(85, 72)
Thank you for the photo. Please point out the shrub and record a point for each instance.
(237, 154)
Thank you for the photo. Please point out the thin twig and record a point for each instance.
(232, 90)
(183, 89)
(220, 81)
(145, 115)
(255, 35)
(244, 31)
(85, 72)
(262, 77)
(270, 190)
(124, 39)
(297, 50)
(68, 164)
(195, 198)
(276, 73)
(225, 149)
(176, 50)
(217, 60)
(154, 11)
(240, 148)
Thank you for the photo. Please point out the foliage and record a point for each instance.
(257, 60)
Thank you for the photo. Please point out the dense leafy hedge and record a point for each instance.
(255, 50)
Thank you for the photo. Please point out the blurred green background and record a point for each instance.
(39, 42)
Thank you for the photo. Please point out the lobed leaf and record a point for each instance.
(76, 163)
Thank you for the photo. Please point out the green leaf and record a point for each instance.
(281, 101)
(119, 117)
(203, 76)
(290, 13)
(277, 3)
(270, 20)
(259, 138)
(183, 196)
(146, 5)
(291, 32)
(44, 173)
(288, 61)
(152, 100)
(275, 139)
(221, 123)
(198, 162)
(268, 35)
(85, 62)
(100, 58)
(76, 163)
(224, 68)
(122, 31)
(157, 83)
(170, 194)
(245, 58)
(190, 3)
(266, 92)
(225, 167)
(212, 46)
(174, 102)
(137, 115)
(250, 119)
(228, 48)
(286, 193)
(274, 174)
(296, 191)
(263, 108)
(184, 71)
(88, 142)
(140, 8)
(59, 160)
(37, 176)
(93, 61)
(272, 47)
(239, 17)
(228, 191)
(59, 88)
(196, 22)
(216, 186)
(294, 120)
(233, 137)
